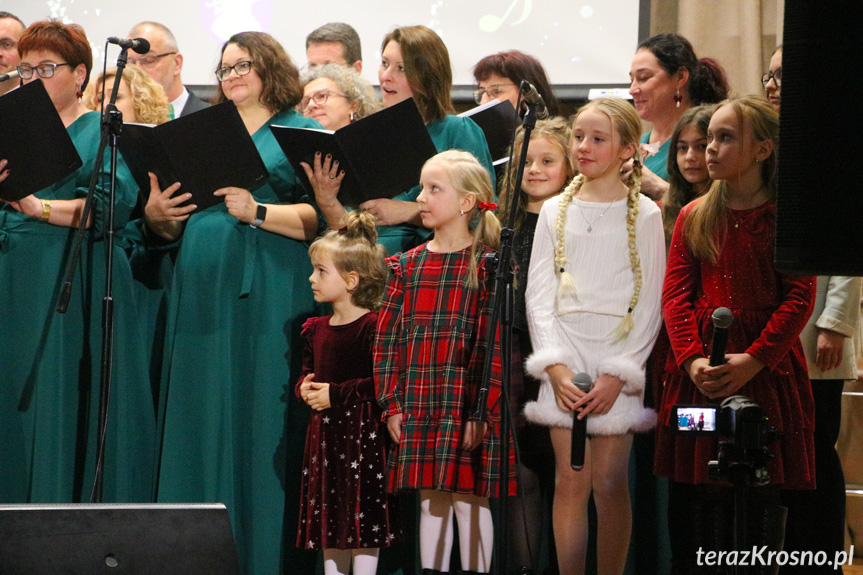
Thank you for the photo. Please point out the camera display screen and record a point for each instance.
(694, 419)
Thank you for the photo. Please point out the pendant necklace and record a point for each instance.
(590, 224)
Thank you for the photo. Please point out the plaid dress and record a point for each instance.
(428, 358)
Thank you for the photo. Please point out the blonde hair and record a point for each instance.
(354, 248)
(625, 120)
(557, 131)
(706, 226)
(468, 176)
(148, 98)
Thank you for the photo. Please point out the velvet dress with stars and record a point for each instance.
(344, 503)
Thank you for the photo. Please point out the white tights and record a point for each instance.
(338, 561)
(475, 528)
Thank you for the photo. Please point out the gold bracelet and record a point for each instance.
(46, 210)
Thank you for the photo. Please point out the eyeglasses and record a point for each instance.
(149, 59)
(776, 76)
(241, 68)
(493, 91)
(320, 98)
(44, 70)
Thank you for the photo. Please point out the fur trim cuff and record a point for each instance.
(627, 415)
(627, 371)
(540, 359)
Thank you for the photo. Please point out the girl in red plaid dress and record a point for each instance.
(429, 356)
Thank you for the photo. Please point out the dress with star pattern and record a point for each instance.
(344, 503)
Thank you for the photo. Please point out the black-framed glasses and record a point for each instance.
(775, 75)
(319, 98)
(241, 68)
(44, 70)
(149, 59)
(493, 91)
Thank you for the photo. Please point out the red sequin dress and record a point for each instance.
(770, 309)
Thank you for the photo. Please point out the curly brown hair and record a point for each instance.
(354, 248)
(279, 76)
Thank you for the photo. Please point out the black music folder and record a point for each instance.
(204, 151)
(497, 119)
(117, 539)
(34, 141)
(382, 154)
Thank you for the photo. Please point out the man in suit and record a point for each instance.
(11, 28)
(164, 63)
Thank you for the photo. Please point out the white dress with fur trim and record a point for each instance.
(577, 332)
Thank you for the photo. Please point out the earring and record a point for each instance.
(352, 116)
(462, 212)
(79, 93)
(678, 98)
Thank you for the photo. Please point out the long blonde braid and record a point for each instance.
(625, 326)
(566, 287)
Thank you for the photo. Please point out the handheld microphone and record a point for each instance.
(532, 97)
(139, 45)
(579, 426)
(722, 318)
(9, 76)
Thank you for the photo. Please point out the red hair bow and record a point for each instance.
(485, 206)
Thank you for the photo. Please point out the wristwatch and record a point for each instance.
(260, 216)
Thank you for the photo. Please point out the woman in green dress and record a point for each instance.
(238, 299)
(50, 362)
(414, 64)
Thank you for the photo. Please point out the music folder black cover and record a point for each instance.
(382, 154)
(204, 151)
(497, 119)
(117, 539)
(34, 141)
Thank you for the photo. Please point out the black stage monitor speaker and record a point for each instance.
(116, 539)
(819, 228)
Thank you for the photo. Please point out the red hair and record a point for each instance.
(66, 40)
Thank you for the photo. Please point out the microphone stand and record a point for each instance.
(112, 126)
(503, 304)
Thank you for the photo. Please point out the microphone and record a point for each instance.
(532, 97)
(722, 318)
(139, 45)
(579, 426)
(9, 76)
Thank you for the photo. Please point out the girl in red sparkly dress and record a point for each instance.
(429, 355)
(722, 256)
(345, 509)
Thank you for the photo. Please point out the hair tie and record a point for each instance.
(485, 206)
(635, 162)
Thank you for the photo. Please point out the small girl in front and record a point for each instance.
(593, 306)
(722, 256)
(429, 355)
(345, 510)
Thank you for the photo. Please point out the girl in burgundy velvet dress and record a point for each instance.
(345, 509)
(721, 255)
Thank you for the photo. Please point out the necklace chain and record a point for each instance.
(590, 224)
